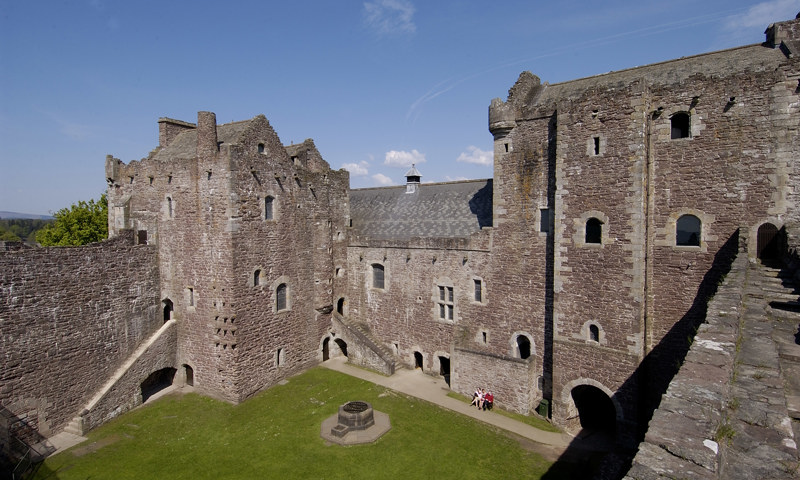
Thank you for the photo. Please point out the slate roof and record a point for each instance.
(185, 144)
(449, 210)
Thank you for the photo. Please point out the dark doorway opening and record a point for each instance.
(418, 360)
(595, 409)
(157, 381)
(141, 237)
(340, 306)
(326, 349)
(523, 346)
(444, 369)
(189, 371)
(168, 309)
(342, 346)
(770, 243)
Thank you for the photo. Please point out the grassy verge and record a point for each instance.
(277, 435)
(534, 421)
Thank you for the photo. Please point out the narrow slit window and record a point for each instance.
(377, 276)
(269, 208)
(280, 297)
(478, 291)
(597, 145)
(544, 222)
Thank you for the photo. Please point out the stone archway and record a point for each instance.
(157, 381)
(342, 346)
(326, 349)
(596, 411)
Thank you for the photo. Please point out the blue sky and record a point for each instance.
(378, 84)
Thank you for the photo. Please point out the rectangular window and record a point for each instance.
(478, 291)
(377, 276)
(544, 222)
(597, 145)
(446, 307)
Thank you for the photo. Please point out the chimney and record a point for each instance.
(206, 135)
(169, 128)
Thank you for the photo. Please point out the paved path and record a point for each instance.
(434, 390)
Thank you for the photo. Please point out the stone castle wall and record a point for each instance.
(70, 316)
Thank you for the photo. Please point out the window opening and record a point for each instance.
(594, 230)
(594, 333)
(597, 145)
(257, 278)
(169, 206)
(269, 213)
(544, 222)
(680, 125)
(445, 302)
(280, 297)
(142, 237)
(478, 291)
(260, 148)
(190, 290)
(687, 231)
(377, 276)
(523, 346)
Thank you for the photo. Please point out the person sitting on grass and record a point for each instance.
(476, 397)
(488, 401)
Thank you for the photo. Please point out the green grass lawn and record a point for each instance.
(277, 435)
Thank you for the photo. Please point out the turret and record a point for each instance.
(412, 179)
(206, 135)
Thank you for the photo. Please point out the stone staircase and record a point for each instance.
(763, 405)
(78, 425)
(374, 354)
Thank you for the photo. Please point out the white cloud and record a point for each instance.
(359, 169)
(397, 158)
(477, 156)
(764, 13)
(382, 179)
(390, 16)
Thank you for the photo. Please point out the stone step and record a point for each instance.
(75, 427)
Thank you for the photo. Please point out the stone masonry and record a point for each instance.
(570, 284)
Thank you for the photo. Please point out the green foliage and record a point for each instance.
(21, 229)
(725, 432)
(79, 224)
(276, 434)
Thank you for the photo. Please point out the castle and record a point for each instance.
(570, 283)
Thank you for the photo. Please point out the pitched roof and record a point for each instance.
(451, 210)
(185, 144)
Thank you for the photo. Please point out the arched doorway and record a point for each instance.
(340, 306)
(770, 242)
(342, 346)
(157, 381)
(595, 409)
(418, 360)
(168, 309)
(326, 349)
(189, 372)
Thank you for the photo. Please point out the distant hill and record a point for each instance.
(9, 215)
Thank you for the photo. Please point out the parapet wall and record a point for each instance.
(70, 316)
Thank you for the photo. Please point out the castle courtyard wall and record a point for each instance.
(70, 316)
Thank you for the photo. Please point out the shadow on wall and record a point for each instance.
(481, 205)
(17, 457)
(648, 383)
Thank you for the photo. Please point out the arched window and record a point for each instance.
(680, 125)
(256, 278)
(260, 148)
(269, 213)
(523, 346)
(377, 276)
(594, 230)
(169, 206)
(594, 333)
(687, 231)
(280, 297)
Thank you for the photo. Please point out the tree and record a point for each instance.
(82, 223)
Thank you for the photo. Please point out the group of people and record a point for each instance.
(482, 399)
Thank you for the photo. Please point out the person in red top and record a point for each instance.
(488, 401)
